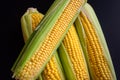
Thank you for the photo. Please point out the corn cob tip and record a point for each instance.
(32, 9)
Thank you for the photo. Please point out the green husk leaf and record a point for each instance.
(66, 63)
(59, 65)
(81, 35)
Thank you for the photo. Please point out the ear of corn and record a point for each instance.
(29, 21)
(52, 69)
(75, 56)
(97, 56)
(26, 26)
(83, 42)
(45, 39)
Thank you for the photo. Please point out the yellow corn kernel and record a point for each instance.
(98, 64)
(35, 63)
(74, 50)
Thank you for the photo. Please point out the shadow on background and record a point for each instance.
(11, 36)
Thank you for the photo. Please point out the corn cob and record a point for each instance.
(29, 21)
(98, 57)
(53, 69)
(45, 39)
(71, 48)
(47, 73)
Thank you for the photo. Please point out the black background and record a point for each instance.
(108, 12)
